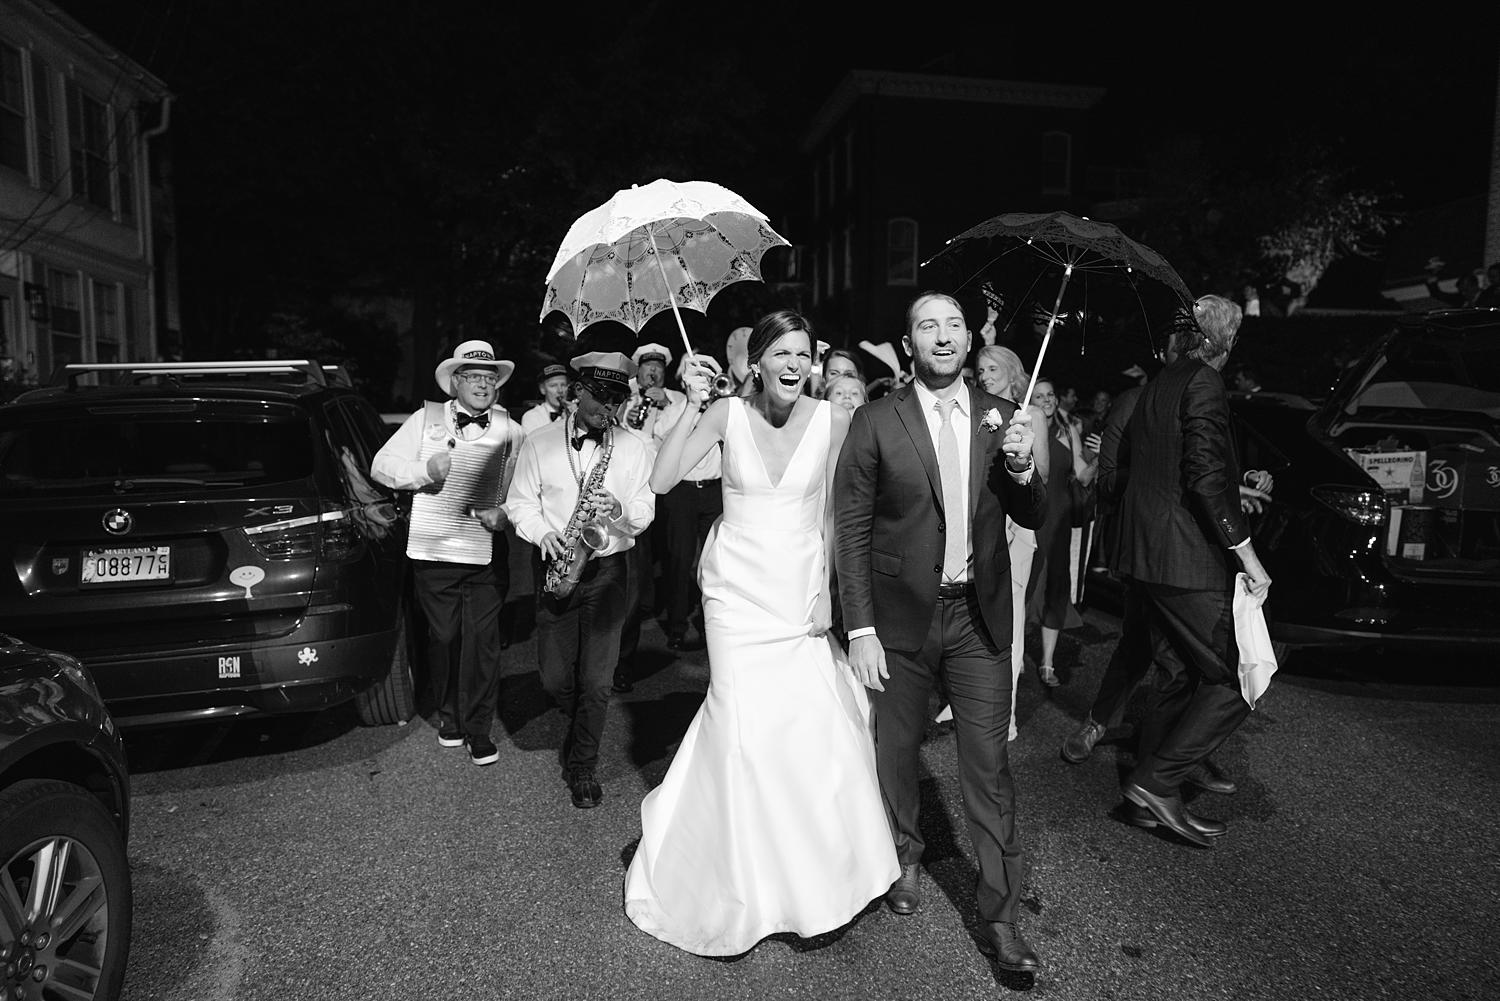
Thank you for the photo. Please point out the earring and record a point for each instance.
(756, 379)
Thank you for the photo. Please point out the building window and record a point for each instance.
(849, 161)
(12, 110)
(831, 174)
(106, 322)
(124, 163)
(46, 129)
(1057, 163)
(901, 252)
(136, 343)
(88, 147)
(62, 300)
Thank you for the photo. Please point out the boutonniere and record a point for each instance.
(991, 420)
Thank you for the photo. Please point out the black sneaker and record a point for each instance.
(482, 751)
(450, 736)
(584, 788)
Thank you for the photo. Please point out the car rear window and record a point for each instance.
(1442, 373)
(119, 449)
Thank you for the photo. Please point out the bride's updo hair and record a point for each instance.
(771, 328)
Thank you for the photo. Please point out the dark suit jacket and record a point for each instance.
(888, 505)
(1180, 507)
(1109, 484)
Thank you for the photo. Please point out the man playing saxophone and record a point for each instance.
(581, 494)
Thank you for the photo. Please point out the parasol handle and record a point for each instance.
(1051, 322)
(676, 314)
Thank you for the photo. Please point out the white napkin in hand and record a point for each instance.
(1257, 658)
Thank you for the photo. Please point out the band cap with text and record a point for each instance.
(605, 373)
(472, 354)
(551, 370)
(652, 352)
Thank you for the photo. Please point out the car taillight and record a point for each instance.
(329, 535)
(1362, 507)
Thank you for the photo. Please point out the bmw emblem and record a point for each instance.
(118, 521)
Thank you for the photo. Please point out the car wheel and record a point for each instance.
(392, 699)
(65, 900)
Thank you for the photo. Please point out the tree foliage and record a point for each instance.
(1231, 214)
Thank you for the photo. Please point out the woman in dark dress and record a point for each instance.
(1049, 592)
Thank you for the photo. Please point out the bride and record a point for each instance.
(769, 819)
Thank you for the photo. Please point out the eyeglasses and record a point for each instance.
(480, 378)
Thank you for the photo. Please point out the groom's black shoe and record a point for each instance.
(1003, 941)
(585, 788)
(1139, 816)
(903, 897)
(1170, 812)
(1208, 780)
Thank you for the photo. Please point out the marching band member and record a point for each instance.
(581, 494)
(641, 415)
(552, 383)
(458, 457)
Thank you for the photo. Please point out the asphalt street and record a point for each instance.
(316, 859)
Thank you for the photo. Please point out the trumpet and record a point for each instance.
(722, 386)
(636, 415)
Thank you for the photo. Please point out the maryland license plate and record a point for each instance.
(125, 566)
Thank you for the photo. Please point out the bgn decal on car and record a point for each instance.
(229, 667)
(306, 656)
(60, 565)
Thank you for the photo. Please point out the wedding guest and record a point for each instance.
(1000, 372)
(846, 391)
(1182, 535)
(580, 496)
(458, 457)
(841, 362)
(1050, 589)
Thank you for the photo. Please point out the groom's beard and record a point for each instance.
(933, 377)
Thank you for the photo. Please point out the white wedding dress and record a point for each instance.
(770, 817)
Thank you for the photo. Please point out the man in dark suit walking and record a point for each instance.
(923, 484)
(1181, 538)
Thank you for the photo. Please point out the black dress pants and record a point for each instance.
(692, 507)
(577, 642)
(975, 673)
(1194, 701)
(1129, 662)
(461, 603)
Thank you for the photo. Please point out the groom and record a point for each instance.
(922, 488)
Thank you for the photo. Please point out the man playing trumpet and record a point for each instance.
(581, 495)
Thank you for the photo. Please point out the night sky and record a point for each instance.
(320, 138)
(1410, 99)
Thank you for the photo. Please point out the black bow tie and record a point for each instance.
(463, 420)
(595, 433)
(554, 415)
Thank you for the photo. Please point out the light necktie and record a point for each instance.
(956, 545)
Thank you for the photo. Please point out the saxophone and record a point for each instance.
(583, 535)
